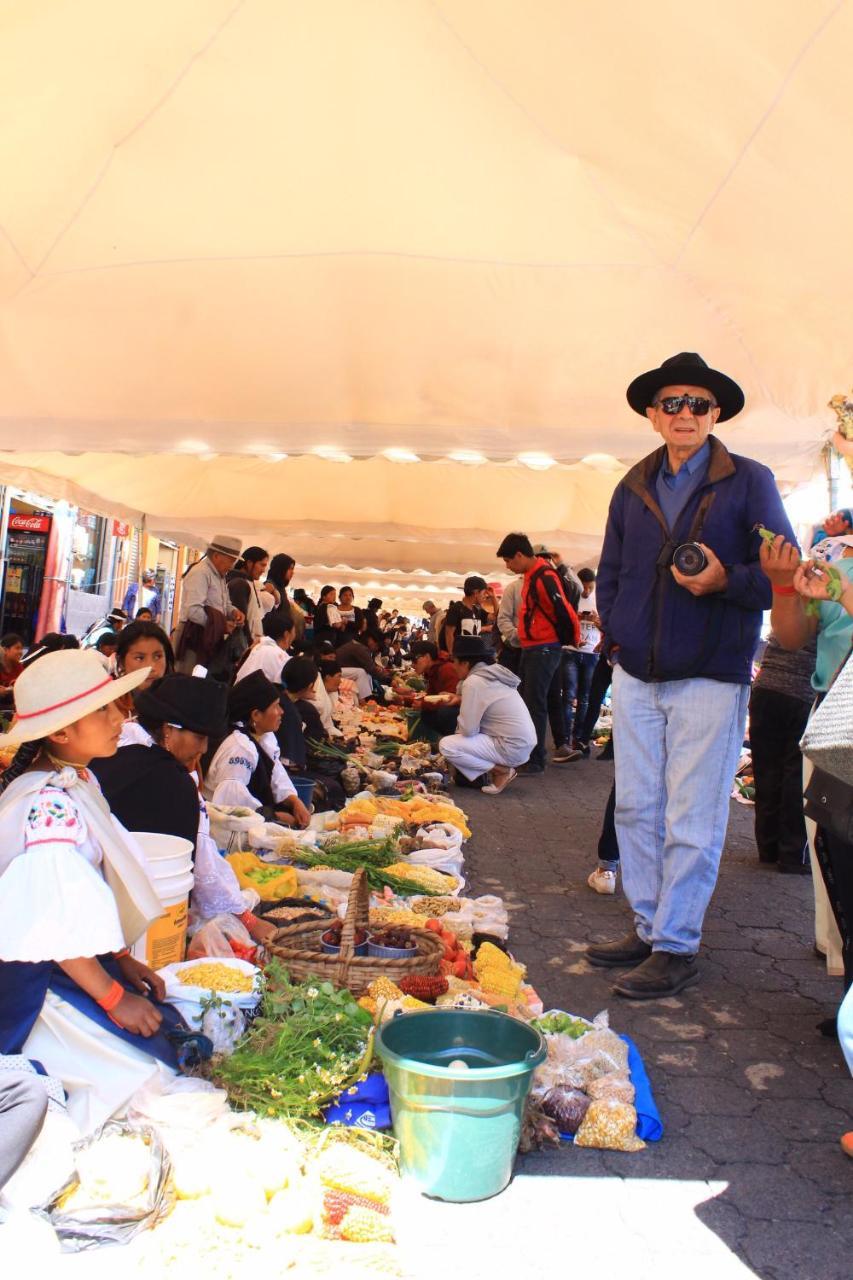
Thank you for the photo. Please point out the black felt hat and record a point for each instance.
(254, 693)
(690, 370)
(186, 701)
(472, 649)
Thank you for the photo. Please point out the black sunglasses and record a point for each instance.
(698, 405)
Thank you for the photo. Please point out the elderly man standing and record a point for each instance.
(207, 616)
(680, 596)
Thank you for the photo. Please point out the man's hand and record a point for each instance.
(143, 979)
(238, 617)
(779, 561)
(713, 577)
(300, 812)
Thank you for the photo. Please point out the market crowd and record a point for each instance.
(138, 731)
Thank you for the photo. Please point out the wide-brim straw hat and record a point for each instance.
(60, 689)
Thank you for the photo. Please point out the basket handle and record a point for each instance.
(358, 906)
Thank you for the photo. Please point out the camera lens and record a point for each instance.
(689, 559)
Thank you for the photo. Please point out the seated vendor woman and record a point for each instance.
(181, 713)
(148, 783)
(74, 895)
(246, 768)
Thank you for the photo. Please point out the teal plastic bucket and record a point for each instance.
(304, 788)
(458, 1127)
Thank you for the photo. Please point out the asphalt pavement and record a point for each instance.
(749, 1179)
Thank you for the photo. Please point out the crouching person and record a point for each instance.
(494, 732)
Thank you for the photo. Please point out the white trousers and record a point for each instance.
(363, 682)
(479, 753)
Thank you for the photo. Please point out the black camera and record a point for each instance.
(689, 559)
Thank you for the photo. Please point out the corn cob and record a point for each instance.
(502, 982)
(344, 1169)
(337, 1203)
(411, 1005)
(365, 1225)
(429, 880)
(490, 956)
(424, 987)
(370, 1005)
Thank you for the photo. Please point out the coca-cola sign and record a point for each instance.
(29, 524)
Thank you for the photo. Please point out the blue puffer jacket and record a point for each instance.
(661, 630)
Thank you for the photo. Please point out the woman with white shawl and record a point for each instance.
(74, 896)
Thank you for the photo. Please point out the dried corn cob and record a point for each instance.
(423, 986)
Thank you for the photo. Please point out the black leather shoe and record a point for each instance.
(627, 951)
(663, 974)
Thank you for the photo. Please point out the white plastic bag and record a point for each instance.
(219, 1015)
(448, 860)
(183, 1102)
(216, 889)
(441, 835)
(228, 829)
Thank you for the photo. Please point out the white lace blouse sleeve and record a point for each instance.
(54, 903)
(230, 772)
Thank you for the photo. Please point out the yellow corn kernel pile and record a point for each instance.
(216, 977)
(384, 989)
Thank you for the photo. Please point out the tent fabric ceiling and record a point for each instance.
(259, 227)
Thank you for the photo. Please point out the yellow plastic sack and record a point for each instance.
(270, 881)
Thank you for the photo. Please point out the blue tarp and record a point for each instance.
(649, 1125)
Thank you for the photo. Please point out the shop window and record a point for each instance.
(87, 553)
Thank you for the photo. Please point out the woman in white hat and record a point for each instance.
(74, 895)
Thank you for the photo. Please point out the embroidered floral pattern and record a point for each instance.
(52, 816)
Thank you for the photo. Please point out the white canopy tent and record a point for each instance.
(435, 237)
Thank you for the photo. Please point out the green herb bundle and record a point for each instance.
(341, 860)
(309, 1044)
(834, 581)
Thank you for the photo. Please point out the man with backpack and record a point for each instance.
(546, 622)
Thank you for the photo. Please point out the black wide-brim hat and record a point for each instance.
(690, 370)
(186, 701)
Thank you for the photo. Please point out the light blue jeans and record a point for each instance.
(677, 746)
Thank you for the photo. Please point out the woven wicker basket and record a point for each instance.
(297, 946)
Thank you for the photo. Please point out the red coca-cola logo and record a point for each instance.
(29, 524)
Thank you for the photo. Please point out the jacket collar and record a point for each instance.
(644, 473)
(641, 478)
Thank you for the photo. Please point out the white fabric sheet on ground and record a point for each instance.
(99, 1072)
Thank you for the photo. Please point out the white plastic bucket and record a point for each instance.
(167, 855)
(169, 862)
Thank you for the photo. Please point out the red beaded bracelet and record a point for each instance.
(785, 591)
(111, 999)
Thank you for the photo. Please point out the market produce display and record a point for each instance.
(252, 1165)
